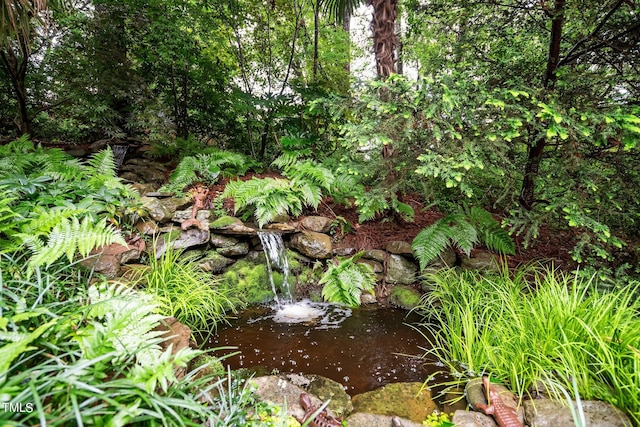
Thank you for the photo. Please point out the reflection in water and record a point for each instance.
(363, 349)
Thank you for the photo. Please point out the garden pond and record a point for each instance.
(363, 349)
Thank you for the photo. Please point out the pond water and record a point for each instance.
(363, 348)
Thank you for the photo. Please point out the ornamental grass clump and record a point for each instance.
(538, 325)
(185, 291)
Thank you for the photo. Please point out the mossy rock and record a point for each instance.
(405, 297)
(250, 282)
(224, 222)
(408, 400)
(308, 287)
(213, 365)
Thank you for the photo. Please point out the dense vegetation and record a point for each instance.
(524, 111)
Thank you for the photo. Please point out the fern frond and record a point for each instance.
(66, 171)
(230, 163)
(69, 237)
(370, 204)
(490, 231)
(431, 242)
(287, 159)
(311, 194)
(346, 185)
(103, 163)
(404, 210)
(462, 233)
(498, 239)
(345, 282)
(311, 172)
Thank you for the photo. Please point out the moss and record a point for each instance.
(223, 222)
(213, 365)
(405, 297)
(250, 282)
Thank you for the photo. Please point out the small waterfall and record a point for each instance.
(276, 254)
(119, 152)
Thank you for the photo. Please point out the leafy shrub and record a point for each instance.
(55, 205)
(538, 325)
(345, 281)
(463, 230)
(67, 362)
(206, 167)
(268, 197)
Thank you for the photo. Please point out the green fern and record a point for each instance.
(465, 231)
(431, 242)
(68, 237)
(267, 198)
(311, 173)
(206, 167)
(371, 204)
(345, 281)
(102, 163)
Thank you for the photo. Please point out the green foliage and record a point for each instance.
(346, 279)
(206, 167)
(57, 205)
(567, 329)
(464, 231)
(92, 358)
(183, 290)
(270, 197)
(438, 419)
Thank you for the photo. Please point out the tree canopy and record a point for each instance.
(527, 108)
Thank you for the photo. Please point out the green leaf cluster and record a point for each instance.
(57, 206)
(346, 279)
(464, 230)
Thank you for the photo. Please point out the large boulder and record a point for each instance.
(319, 224)
(162, 210)
(312, 244)
(181, 240)
(231, 225)
(481, 260)
(400, 270)
(405, 297)
(107, 260)
(553, 413)
(407, 400)
(177, 336)
(362, 419)
(399, 247)
(214, 262)
(325, 389)
(472, 419)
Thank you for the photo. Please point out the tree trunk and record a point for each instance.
(16, 68)
(316, 33)
(384, 37)
(346, 26)
(536, 151)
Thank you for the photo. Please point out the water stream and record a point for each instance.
(276, 255)
(119, 153)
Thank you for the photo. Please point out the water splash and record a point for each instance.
(276, 254)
